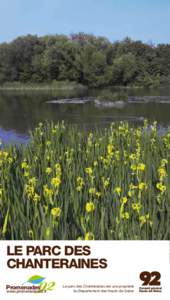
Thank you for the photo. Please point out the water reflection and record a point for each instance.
(10, 136)
(22, 111)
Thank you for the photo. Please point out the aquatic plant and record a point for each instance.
(107, 95)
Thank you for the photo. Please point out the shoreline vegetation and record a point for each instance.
(94, 62)
(110, 184)
(55, 85)
(103, 97)
(63, 85)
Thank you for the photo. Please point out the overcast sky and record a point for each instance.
(146, 20)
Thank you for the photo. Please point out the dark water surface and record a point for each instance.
(21, 111)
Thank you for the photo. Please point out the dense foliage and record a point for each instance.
(86, 59)
(68, 184)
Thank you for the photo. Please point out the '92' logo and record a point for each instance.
(150, 278)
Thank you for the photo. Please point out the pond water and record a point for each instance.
(21, 111)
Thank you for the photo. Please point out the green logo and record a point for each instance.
(44, 286)
(36, 279)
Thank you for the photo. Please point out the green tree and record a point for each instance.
(124, 69)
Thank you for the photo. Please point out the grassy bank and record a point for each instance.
(55, 85)
(67, 184)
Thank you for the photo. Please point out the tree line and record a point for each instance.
(86, 59)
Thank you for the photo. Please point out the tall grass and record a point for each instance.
(113, 183)
(54, 85)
